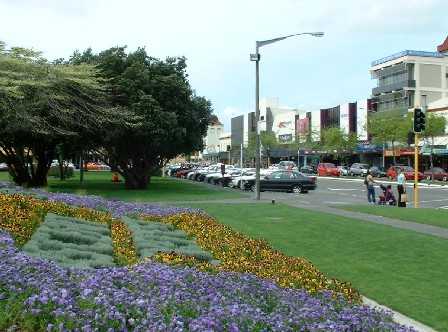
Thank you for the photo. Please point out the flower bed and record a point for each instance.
(72, 242)
(151, 238)
(239, 253)
(37, 295)
(22, 214)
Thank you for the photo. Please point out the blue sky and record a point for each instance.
(218, 36)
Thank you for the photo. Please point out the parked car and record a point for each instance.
(242, 178)
(288, 165)
(358, 169)
(343, 170)
(327, 169)
(377, 171)
(292, 181)
(408, 172)
(437, 172)
(308, 169)
(3, 167)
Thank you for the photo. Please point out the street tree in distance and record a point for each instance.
(337, 142)
(387, 129)
(435, 126)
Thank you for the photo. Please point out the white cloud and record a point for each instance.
(218, 35)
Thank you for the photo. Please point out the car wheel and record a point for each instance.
(253, 188)
(297, 189)
(445, 178)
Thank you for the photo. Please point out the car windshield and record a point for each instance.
(437, 170)
(408, 169)
(329, 165)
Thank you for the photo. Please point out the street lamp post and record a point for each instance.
(256, 57)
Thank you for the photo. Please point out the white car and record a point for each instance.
(237, 180)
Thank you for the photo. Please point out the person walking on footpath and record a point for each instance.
(401, 187)
(369, 181)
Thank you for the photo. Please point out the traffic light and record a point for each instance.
(419, 120)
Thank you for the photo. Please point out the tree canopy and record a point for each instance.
(173, 118)
(43, 105)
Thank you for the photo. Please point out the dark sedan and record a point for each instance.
(292, 181)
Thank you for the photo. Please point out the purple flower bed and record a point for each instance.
(155, 297)
(116, 207)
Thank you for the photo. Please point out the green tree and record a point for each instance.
(41, 106)
(435, 126)
(339, 143)
(173, 118)
(391, 129)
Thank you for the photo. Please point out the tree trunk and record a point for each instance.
(431, 160)
(61, 169)
(136, 178)
(393, 153)
(81, 168)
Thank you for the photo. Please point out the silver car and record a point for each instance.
(358, 169)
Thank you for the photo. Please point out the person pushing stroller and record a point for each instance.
(387, 198)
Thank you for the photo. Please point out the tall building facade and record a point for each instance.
(402, 78)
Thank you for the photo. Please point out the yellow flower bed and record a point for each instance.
(21, 215)
(239, 253)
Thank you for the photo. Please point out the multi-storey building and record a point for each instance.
(402, 78)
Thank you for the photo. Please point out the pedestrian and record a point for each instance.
(401, 187)
(223, 169)
(369, 181)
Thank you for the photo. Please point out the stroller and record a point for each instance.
(387, 198)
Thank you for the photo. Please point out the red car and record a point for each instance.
(408, 172)
(327, 169)
(438, 173)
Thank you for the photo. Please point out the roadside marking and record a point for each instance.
(435, 200)
(443, 207)
(341, 189)
(344, 203)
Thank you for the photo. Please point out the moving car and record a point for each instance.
(437, 172)
(408, 172)
(358, 169)
(292, 181)
(327, 169)
(377, 172)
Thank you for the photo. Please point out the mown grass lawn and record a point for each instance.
(161, 189)
(435, 217)
(401, 269)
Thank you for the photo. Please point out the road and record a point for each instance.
(334, 191)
